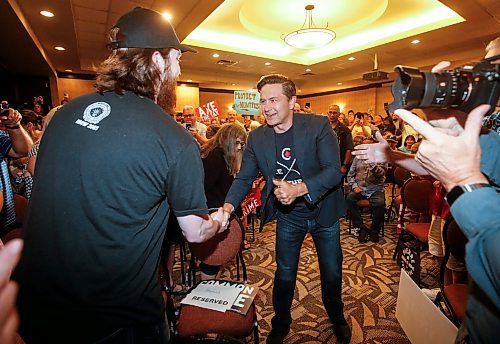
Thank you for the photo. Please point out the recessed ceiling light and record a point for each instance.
(189, 80)
(215, 55)
(308, 69)
(68, 70)
(339, 83)
(299, 91)
(60, 48)
(167, 16)
(468, 67)
(415, 41)
(47, 14)
(233, 84)
(352, 58)
(267, 63)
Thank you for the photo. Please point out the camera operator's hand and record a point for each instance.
(374, 152)
(11, 118)
(449, 156)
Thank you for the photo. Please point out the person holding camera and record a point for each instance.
(467, 163)
(90, 268)
(196, 128)
(15, 142)
(359, 128)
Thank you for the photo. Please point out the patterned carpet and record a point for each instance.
(370, 284)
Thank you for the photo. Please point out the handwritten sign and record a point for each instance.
(208, 111)
(251, 202)
(247, 102)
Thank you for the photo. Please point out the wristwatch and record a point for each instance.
(458, 190)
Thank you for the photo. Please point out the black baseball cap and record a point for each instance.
(143, 28)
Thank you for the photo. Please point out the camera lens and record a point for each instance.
(446, 89)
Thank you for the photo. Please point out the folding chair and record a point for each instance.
(197, 322)
(453, 295)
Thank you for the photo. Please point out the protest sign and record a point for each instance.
(251, 201)
(220, 295)
(247, 102)
(208, 111)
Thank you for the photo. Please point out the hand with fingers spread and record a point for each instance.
(9, 256)
(374, 152)
(450, 155)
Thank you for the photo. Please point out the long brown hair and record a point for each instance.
(225, 138)
(132, 69)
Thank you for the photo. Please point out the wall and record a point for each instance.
(74, 87)
(362, 100)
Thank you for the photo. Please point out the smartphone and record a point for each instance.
(188, 126)
(308, 104)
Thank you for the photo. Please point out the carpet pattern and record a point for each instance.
(370, 285)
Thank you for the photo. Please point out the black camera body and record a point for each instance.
(461, 89)
(4, 107)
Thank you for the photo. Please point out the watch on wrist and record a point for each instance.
(16, 126)
(458, 190)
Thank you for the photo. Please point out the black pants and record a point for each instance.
(145, 334)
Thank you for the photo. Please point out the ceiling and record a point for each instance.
(249, 32)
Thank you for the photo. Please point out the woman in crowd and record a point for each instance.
(406, 147)
(221, 157)
(24, 182)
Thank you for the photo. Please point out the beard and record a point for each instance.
(167, 96)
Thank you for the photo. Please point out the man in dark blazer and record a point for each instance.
(298, 155)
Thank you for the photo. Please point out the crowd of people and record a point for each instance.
(115, 174)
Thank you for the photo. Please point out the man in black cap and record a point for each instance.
(110, 170)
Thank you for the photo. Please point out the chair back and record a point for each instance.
(416, 195)
(454, 240)
(401, 176)
(223, 247)
(21, 205)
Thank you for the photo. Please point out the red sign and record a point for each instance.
(251, 202)
(208, 111)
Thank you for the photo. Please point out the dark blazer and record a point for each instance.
(317, 150)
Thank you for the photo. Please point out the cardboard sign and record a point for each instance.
(419, 317)
(251, 202)
(208, 111)
(247, 102)
(220, 295)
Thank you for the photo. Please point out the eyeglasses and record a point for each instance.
(188, 115)
(238, 142)
(332, 112)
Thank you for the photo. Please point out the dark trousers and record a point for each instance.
(290, 234)
(377, 205)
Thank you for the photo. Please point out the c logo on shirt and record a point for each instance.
(286, 154)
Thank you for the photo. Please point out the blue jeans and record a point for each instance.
(290, 234)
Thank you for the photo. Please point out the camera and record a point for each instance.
(461, 88)
(4, 107)
(188, 126)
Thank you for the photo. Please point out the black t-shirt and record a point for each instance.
(345, 140)
(287, 169)
(109, 170)
(217, 178)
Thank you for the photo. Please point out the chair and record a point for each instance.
(400, 177)
(416, 193)
(453, 295)
(14, 230)
(196, 322)
(363, 204)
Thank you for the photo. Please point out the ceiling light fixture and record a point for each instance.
(339, 83)
(309, 37)
(352, 58)
(267, 63)
(189, 80)
(59, 48)
(167, 16)
(308, 69)
(415, 41)
(215, 55)
(47, 14)
(68, 70)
